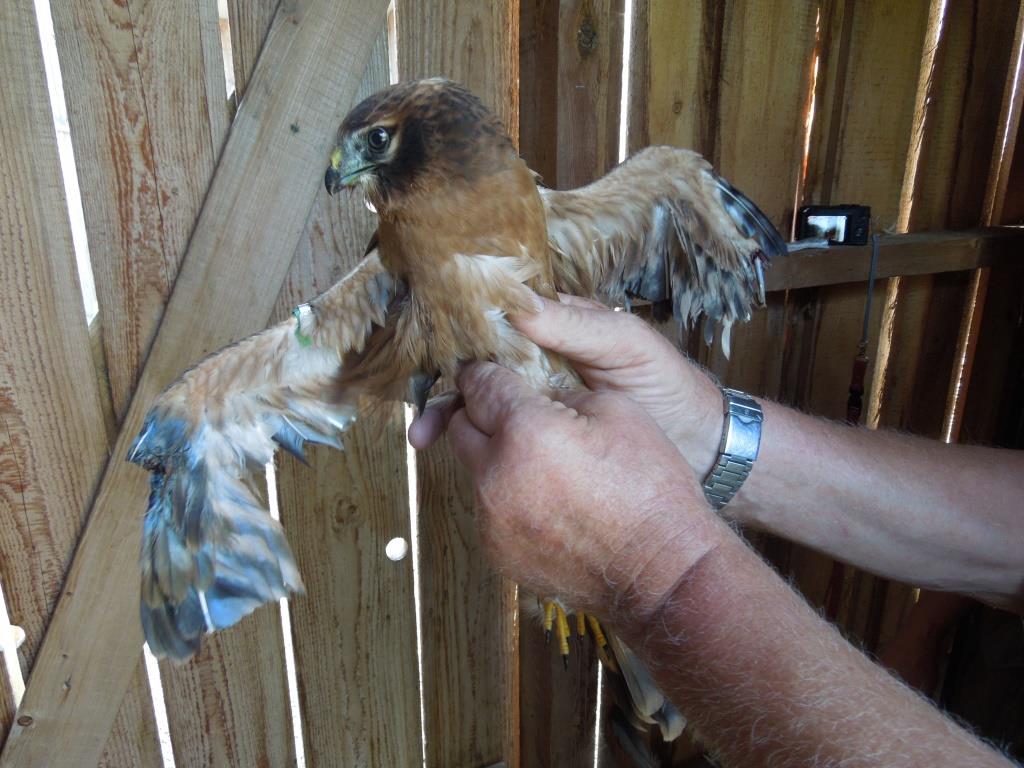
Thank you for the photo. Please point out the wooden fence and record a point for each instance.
(206, 219)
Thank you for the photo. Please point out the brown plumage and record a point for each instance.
(465, 236)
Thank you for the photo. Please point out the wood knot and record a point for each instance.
(347, 514)
(677, 106)
(586, 37)
(25, 721)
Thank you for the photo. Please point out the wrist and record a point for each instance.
(650, 567)
(697, 431)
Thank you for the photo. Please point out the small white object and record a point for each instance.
(369, 205)
(396, 549)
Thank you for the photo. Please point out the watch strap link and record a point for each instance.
(741, 439)
(725, 479)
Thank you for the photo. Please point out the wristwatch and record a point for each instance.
(741, 438)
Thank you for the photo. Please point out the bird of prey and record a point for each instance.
(465, 234)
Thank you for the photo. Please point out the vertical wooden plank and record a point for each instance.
(250, 21)
(218, 710)
(51, 416)
(355, 629)
(871, 64)
(6, 704)
(538, 87)
(866, 114)
(148, 152)
(144, 152)
(468, 611)
(683, 65)
(927, 316)
(268, 177)
(589, 82)
(580, 142)
(766, 56)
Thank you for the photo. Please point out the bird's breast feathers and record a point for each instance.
(463, 311)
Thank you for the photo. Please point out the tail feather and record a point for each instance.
(649, 704)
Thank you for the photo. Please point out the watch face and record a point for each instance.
(744, 437)
(742, 427)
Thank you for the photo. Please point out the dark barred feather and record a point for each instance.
(664, 228)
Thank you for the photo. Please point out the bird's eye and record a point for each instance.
(377, 139)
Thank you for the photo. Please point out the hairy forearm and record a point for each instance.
(948, 517)
(767, 682)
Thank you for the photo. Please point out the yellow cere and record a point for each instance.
(336, 158)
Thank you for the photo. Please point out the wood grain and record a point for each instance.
(589, 74)
(538, 87)
(579, 141)
(266, 181)
(766, 56)
(355, 628)
(858, 154)
(250, 22)
(682, 55)
(147, 152)
(53, 429)
(730, 79)
(181, 124)
(6, 703)
(468, 611)
(871, 67)
(218, 711)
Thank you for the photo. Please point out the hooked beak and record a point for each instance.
(344, 172)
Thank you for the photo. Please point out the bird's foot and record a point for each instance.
(556, 622)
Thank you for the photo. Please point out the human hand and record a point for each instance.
(619, 352)
(581, 497)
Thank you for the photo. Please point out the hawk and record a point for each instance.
(466, 235)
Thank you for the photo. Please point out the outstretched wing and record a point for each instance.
(211, 553)
(664, 227)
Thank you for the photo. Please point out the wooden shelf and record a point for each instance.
(920, 253)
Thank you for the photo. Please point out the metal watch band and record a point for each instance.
(741, 439)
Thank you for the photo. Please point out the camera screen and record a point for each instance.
(829, 227)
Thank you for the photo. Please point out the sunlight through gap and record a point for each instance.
(936, 19)
(163, 725)
(414, 531)
(627, 55)
(9, 649)
(286, 635)
(55, 86)
(224, 28)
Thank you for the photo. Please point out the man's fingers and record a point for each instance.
(491, 393)
(431, 424)
(468, 443)
(582, 331)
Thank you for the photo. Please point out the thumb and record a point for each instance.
(582, 331)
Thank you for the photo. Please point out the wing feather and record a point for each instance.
(665, 228)
(211, 553)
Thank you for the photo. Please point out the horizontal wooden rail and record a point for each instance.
(920, 253)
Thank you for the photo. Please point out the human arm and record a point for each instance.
(946, 517)
(763, 678)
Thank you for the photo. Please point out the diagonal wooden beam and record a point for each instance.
(254, 214)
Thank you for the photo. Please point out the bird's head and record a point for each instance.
(413, 135)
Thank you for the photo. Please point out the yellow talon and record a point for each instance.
(563, 635)
(595, 628)
(549, 619)
(581, 623)
(607, 660)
